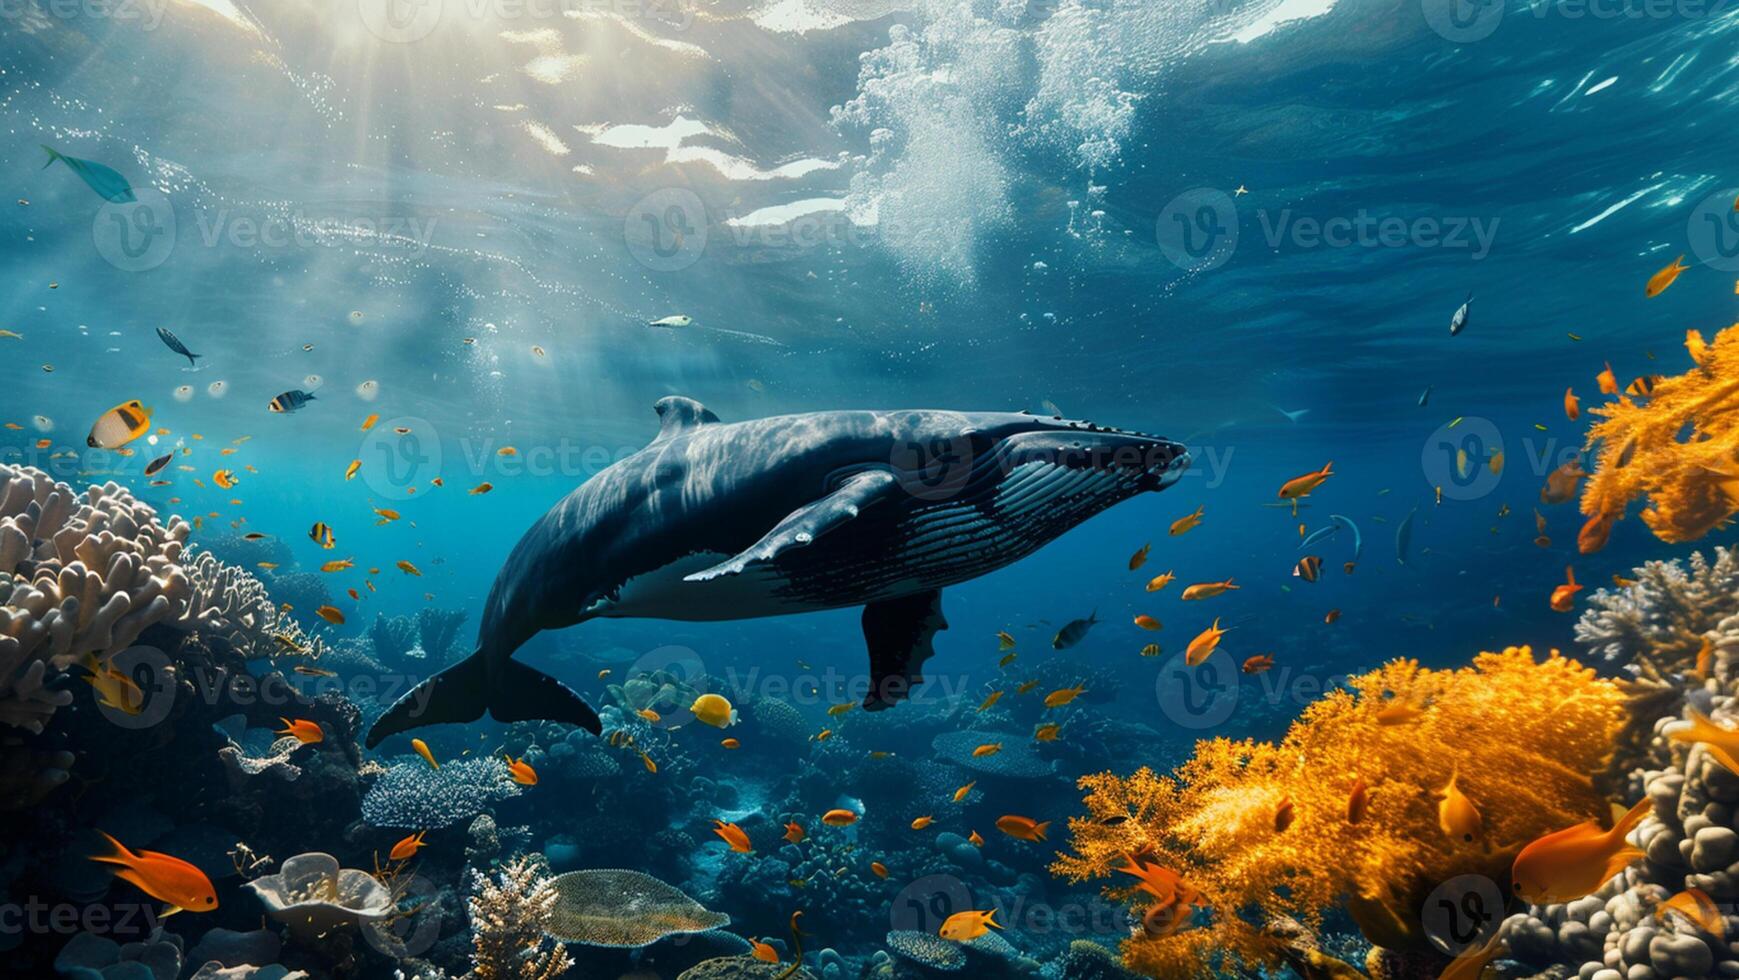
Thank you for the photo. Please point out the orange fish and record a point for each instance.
(407, 848)
(1258, 664)
(733, 835)
(1572, 863)
(1659, 282)
(1721, 744)
(165, 878)
(302, 730)
(794, 832)
(1358, 801)
(521, 771)
(1283, 816)
(1705, 658)
(922, 822)
(1561, 483)
(1139, 558)
(1595, 531)
(1160, 581)
(1331, 616)
(879, 868)
(1205, 643)
(1062, 696)
(1607, 381)
(480, 489)
(1147, 622)
(964, 791)
(975, 840)
(1303, 486)
(422, 748)
(409, 569)
(1207, 590)
(1564, 596)
(964, 927)
(988, 748)
(1022, 828)
(1697, 908)
(763, 952)
(731, 743)
(1572, 405)
(341, 565)
(1187, 522)
(839, 818)
(331, 615)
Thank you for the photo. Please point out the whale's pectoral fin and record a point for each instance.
(802, 526)
(900, 634)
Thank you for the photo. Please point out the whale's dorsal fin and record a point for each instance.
(679, 414)
(803, 525)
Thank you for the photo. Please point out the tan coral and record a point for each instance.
(82, 573)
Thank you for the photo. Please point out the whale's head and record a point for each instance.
(1028, 460)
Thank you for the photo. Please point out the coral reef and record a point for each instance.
(1526, 732)
(78, 574)
(1675, 446)
(232, 605)
(313, 896)
(509, 915)
(410, 795)
(1692, 841)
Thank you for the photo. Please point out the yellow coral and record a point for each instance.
(1524, 735)
(1678, 446)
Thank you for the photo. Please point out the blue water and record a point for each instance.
(557, 182)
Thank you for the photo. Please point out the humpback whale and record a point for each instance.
(794, 513)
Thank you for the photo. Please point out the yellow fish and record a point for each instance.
(1659, 282)
(1058, 698)
(1205, 643)
(350, 471)
(1160, 581)
(964, 927)
(422, 749)
(1698, 908)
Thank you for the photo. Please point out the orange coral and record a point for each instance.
(1524, 736)
(1678, 446)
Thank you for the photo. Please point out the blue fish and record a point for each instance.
(174, 343)
(290, 401)
(106, 181)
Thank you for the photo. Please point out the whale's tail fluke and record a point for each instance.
(462, 692)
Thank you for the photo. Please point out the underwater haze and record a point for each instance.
(315, 309)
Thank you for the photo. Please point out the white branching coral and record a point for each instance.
(79, 573)
(509, 914)
(1660, 620)
(230, 603)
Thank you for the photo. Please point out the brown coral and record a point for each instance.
(1678, 446)
(1524, 735)
(508, 917)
